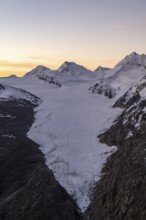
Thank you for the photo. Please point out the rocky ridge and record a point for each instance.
(120, 194)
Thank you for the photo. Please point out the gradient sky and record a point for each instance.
(49, 32)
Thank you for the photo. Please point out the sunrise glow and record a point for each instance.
(47, 34)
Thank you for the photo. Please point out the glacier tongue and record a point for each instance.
(66, 128)
(67, 124)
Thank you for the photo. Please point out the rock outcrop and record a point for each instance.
(102, 88)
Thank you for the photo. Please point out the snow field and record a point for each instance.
(66, 126)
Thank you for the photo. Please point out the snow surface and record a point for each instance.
(101, 69)
(132, 60)
(67, 72)
(72, 68)
(10, 92)
(119, 81)
(67, 124)
(38, 70)
(123, 76)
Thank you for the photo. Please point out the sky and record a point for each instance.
(89, 32)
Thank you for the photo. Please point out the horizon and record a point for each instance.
(91, 34)
(30, 68)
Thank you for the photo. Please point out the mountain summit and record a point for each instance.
(133, 60)
(101, 69)
(37, 71)
(72, 67)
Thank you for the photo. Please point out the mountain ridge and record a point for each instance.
(133, 60)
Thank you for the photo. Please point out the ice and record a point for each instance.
(66, 126)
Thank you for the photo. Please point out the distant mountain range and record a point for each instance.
(69, 71)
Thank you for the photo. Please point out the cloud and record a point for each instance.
(4, 62)
(37, 57)
(20, 68)
(8, 64)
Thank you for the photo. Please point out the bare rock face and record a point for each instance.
(1, 87)
(121, 192)
(132, 95)
(49, 79)
(103, 88)
(28, 189)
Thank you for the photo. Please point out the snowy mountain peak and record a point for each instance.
(71, 67)
(40, 67)
(125, 74)
(133, 54)
(132, 60)
(38, 70)
(100, 68)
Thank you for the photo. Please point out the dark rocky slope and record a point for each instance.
(28, 189)
(103, 88)
(121, 192)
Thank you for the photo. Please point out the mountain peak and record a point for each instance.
(37, 70)
(101, 68)
(41, 68)
(133, 54)
(71, 67)
(132, 60)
